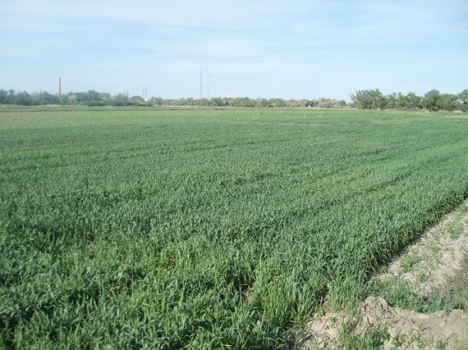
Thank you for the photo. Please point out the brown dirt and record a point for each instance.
(407, 329)
(438, 259)
(435, 259)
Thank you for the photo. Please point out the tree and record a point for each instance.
(328, 103)
(71, 98)
(44, 98)
(413, 100)
(81, 96)
(392, 100)
(263, 102)
(305, 103)
(369, 99)
(431, 100)
(65, 99)
(216, 102)
(23, 98)
(463, 97)
(93, 95)
(120, 100)
(277, 102)
(139, 100)
(243, 102)
(402, 100)
(156, 101)
(3, 96)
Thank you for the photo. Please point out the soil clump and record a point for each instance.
(437, 260)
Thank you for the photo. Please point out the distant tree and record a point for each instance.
(313, 103)
(156, 101)
(216, 102)
(369, 99)
(81, 97)
(364, 99)
(72, 98)
(93, 95)
(431, 100)
(106, 98)
(292, 103)
(462, 100)
(262, 102)
(44, 98)
(120, 100)
(23, 98)
(243, 102)
(139, 100)
(203, 102)
(277, 102)
(181, 102)
(187, 102)
(413, 100)
(392, 100)
(304, 103)
(64, 99)
(463, 97)
(3, 96)
(401, 100)
(448, 102)
(328, 103)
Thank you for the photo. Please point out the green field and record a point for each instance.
(204, 228)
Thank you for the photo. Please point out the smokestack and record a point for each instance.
(60, 86)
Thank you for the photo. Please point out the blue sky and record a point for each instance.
(288, 49)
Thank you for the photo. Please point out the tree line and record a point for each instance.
(362, 99)
(94, 98)
(432, 100)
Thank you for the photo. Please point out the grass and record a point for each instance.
(409, 261)
(191, 228)
(399, 293)
(369, 338)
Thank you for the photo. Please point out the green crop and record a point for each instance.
(191, 228)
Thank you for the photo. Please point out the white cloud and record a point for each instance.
(292, 48)
(176, 12)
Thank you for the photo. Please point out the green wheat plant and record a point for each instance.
(166, 228)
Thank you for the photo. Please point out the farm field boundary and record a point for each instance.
(173, 228)
(419, 299)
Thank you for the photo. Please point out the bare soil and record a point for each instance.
(406, 329)
(436, 260)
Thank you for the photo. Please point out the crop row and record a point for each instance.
(207, 228)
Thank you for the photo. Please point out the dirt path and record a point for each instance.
(435, 259)
(405, 329)
(430, 263)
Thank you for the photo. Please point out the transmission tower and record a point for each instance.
(201, 84)
(207, 83)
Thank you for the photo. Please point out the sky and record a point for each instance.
(288, 49)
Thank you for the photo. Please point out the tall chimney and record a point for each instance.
(60, 86)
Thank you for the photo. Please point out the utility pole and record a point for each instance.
(60, 87)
